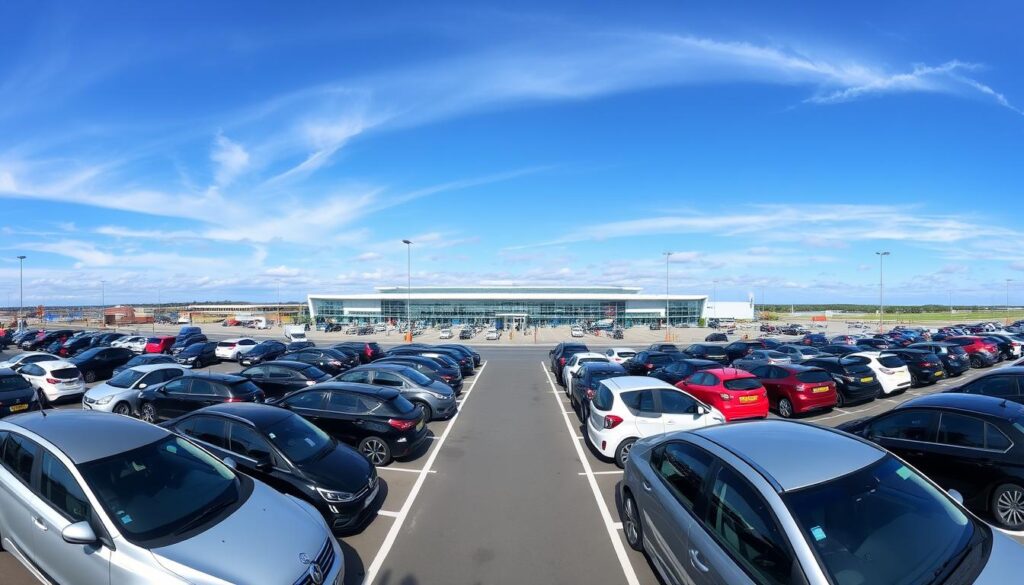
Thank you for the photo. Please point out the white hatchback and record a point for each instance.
(628, 408)
(619, 355)
(576, 332)
(55, 378)
(892, 372)
(232, 349)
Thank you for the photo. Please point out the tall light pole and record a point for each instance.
(1008, 281)
(881, 289)
(21, 288)
(103, 303)
(714, 295)
(408, 289)
(668, 321)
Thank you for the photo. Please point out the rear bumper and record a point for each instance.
(400, 448)
(739, 411)
(861, 393)
(807, 401)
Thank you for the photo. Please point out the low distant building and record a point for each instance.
(125, 315)
(739, 310)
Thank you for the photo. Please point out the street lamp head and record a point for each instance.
(22, 257)
(406, 242)
(882, 253)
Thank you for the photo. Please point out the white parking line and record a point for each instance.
(387, 513)
(616, 472)
(406, 470)
(389, 540)
(620, 551)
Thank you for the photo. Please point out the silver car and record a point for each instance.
(89, 497)
(435, 398)
(785, 502)
(120, 394)
(798, 353)
(761, 357)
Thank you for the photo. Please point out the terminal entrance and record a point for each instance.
(511, 321)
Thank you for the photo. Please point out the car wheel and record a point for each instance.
(840, 400)
(914, 382)
(622, 453)
(785, 408)
(1008, 506)
(631, 524)
(148, 413)
(428, 413)
(976, 362)
(123, 409)
(90, 376)
(376, 450)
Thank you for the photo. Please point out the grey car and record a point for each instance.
(799, 353)
(761, 357)
(91, 497)
(775, 502)
(436, 398)
(120, 394)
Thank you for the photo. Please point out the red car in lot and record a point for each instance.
(795, 389)
(161, 344)
(981, 352)
(737, 394)
(844, 340)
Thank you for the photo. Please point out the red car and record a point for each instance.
(736, 393)
(794, 389)
(982, 353)
(160, 344)
(844, 340)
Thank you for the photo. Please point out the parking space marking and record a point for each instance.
(389, 540)
(406, 470)
(387, 513)
(620, 551)
(616, 472)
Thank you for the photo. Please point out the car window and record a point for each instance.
(314, 400)
(604, 399)
(387, 379)
(255, 372)
(245, 441)
(58, 487)
(684, 468)
(277, 373)
(998, 386)
(209, 429)
(762, 371)
(361, 377)
(168, 374)
(202, 387)
(180, 386)
(813, 376)
(674, 402)
(909, 425)
(743, 384)
(32, 370)
(345, 403)
(19, 456)
(641, 401)
(961, 431)
(995, 439)
(743, 525)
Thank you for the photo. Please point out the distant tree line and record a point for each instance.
(850, 308)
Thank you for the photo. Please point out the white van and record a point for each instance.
(295, 332)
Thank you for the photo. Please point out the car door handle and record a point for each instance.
(39, 523)
(647, 486)
(695, 561)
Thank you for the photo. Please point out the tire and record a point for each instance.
(1007, 506)
(123, 408)
(148, 413)
(376, 450)
(631, 525)
(976, 362)
(90, 377)
(785, 408)
(914, 382)
(840, 399)
(428, 413)
(622, 452)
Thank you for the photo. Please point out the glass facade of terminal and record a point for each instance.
(487, 312)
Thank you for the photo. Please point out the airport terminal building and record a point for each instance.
(508, 306)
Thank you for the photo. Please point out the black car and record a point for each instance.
(663, 347)
(584, 385)
(645, 362)
(561, 354)
(855, 380)
(297, 345)
(56, 336)
(707, 351)
(676, 371)
(840, 349)
(770, 342)
(199, 354)
(955, 359)
(1005, 383)
(461, 353)
(280, 377)
(477, 360)
(873, 343)
(465, 364)
(102, 339)
(925, 367)
(1007, 347)
(331, 361)
(16, 394)
(187, 393)
(289, 454)
(145, 359)
(181, 342)
(466, 334)
(367, 350)
(968, 443)
(431, 367)
(75, 345)
(99, 362)
(814, 340)
(380, 422)
(263, 351)
(740, 349)
(716, 337)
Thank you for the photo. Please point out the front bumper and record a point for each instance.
(352, 515)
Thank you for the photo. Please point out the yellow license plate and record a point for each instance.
(940, 373)
(19, 407)
(820, 389)
(752, 398)
(867, 380)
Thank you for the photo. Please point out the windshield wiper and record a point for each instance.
(953, 563)
(204, 515)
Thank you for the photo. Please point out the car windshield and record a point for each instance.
(9, 383)
(125, 379)
(814, 376)
(775, 355)
(299, 440)
(891, 361)
(627, 354)
(742, 384)
(313, 373)
(156, 490)
(884, 524)
(809, 351)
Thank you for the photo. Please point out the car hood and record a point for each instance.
(104, 390)
(269, 531)
(343, 469)
(1004, 561)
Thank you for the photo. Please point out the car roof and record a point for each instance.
(146, 368)
(977, 403)
(906, 350)
(218, 377)
(387, 367)
(293, 364)
(603, 367)
(236, 339)
(368, 389)
(793, 455)
(731, 373)
(622, 349)
(50, 365)
(8, 372)
(260, 415)
(85, 435)
(796, 368)
(627, 383)
(592, 354)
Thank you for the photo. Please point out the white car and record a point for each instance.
(136, 343)
(576, 332)
(575, 363)
(445, 334)
(232, 349)
(619, 355)
(493, 334)
(55, 378)
(120, 394)
(628, 408)
(28, 357)
(892, 373)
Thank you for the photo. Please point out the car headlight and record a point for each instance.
(105, 399)
(438, 396)
(333, 496)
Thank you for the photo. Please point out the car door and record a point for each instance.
(169, 400)
(647, 418)
(347, 417)
(679, 411)
(60, 503)
(909, 433)
(256, 457)
(16, 497)
(960, 459)
(278, 380)
(310, 406)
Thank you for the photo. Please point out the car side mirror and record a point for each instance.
(957, 496)
(143, 386)
(230, 462)
(162, 390)
(79, 533)
(702, 410)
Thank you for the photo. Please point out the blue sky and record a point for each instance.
(229, 150)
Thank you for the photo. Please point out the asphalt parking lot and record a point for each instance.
(508, 491)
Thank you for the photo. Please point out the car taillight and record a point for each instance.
(402, 425)
(446, 377)
(611, 421)
(368, 351)
(799, 387)
(650, 366)
(888, 371)
(926, 364)
(561, 361)
(233, 399)
(334, 363)
(590, 393)
(52, 380)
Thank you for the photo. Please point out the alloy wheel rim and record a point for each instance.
(625, 453)
(631, 532)
(1010, 507)
(374, 451)
(121, 409)
(785, 409)
(147, 414)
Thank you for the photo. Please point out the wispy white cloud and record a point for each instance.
(230, 157)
